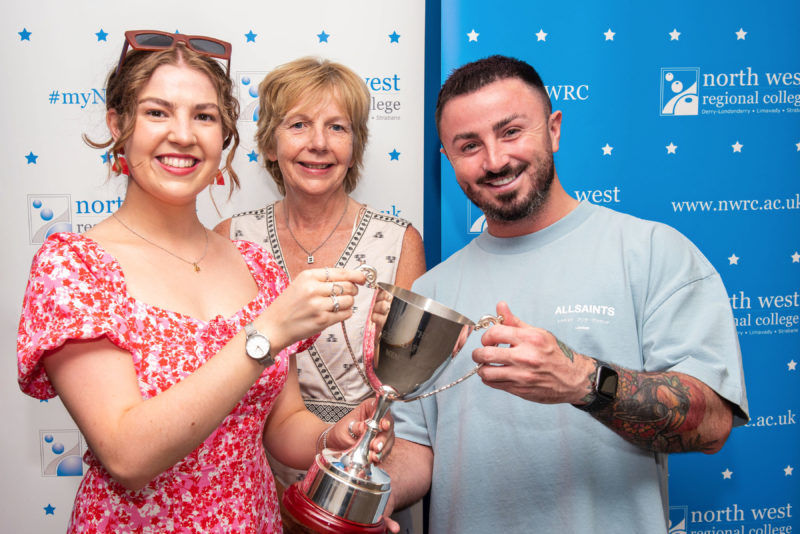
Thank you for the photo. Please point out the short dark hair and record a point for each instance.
(475, 75)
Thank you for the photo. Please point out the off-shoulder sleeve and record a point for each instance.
(70, 295)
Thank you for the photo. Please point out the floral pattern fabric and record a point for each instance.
(77, 290)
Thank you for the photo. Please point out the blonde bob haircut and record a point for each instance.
(310, 80)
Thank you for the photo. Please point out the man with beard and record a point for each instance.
(618, 344)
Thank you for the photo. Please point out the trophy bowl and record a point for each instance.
(405, 350)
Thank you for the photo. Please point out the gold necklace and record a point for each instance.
(192, 263)
(310, 255)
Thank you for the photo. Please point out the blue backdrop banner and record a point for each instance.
(688, 115)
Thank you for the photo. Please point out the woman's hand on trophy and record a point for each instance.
(380, 309)
(351, 428)
(314, 300)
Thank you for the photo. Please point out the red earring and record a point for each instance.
(120, 165)
(219, 179)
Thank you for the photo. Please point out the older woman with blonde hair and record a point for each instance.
(312, 134)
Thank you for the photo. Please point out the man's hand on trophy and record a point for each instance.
(351, 428)
(531, 362)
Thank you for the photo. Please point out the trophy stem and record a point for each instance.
(357, 459)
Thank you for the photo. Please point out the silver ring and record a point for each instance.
(335, 303)
(334, 287)
(327, 275)
(350, 430)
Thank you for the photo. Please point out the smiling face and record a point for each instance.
(176, 145)
(314, 147)
(500, 141)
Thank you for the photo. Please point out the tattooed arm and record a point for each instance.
(659, 411)
(665, 411)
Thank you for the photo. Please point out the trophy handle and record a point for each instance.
(484, 322)
(371, 273)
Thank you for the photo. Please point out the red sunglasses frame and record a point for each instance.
(130, 40)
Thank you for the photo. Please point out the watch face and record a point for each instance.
(257, 347)
(607, 382)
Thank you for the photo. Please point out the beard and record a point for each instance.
(509, 207)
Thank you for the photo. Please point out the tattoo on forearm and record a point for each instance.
(659, 411)
(566, 350)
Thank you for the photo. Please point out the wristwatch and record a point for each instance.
(604, 389)
(257, 346)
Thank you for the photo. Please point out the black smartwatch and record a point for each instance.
(604, 389)
(257, 346)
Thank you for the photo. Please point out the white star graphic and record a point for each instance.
(792, 365)
(733, 259)
(473, 35)
(674, 34)
(727, 474)
(609, 35)
(788, 470)
(798, 146)
(737, 147)
(541, 35)
(795, 257)
(740, 34)
(607, 150)
(671, 147)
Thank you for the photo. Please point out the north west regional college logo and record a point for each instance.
(247, 86)
(61, 453)
(679, 91)
(677, 519)
(48, 214)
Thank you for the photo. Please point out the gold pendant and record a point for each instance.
(196, 268)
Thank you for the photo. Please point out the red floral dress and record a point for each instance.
(76, 290)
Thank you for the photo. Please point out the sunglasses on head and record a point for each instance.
(151, 40)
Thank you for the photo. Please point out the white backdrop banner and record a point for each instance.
(55, 61)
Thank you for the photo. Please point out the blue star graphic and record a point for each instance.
(253, 156)
(394, 155)
(49, 510)
(24, 35)
(105, 157)
(31, 158)
(101, 35)
(394, 37)
(42, 400)
(323, 37)
(251, 37)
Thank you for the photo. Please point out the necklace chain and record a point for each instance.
(192, 263)
(310, 254)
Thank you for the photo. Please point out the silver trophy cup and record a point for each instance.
(405, 350)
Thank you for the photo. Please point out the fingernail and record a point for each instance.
(380, 446)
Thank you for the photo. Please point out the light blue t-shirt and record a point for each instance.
(611, 286)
